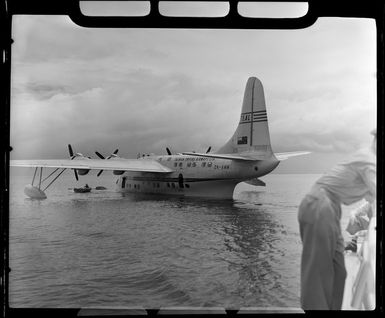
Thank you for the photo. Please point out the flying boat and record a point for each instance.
(245, 157)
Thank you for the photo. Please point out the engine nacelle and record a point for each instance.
(118, 172)
(82, 172)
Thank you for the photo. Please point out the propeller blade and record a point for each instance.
(208, 150)
(99, 173)
(70, 151)
(99, 155)
(72, 157)
(116, 151)
(168, 151)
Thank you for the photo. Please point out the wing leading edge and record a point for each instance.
(247, 156)
(96, 164)
(223, 156)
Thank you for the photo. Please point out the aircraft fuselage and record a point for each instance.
(195, 176)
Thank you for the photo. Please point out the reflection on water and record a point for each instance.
(111, 249)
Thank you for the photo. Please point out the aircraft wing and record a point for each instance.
(139, 165)
(246, 156)
(220, 156)
(285, 155)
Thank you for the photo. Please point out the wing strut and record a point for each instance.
(59, 174)
(35, 192)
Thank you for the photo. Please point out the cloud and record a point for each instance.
(133, 115)
(144, 90)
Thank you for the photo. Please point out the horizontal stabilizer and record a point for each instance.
(256, 182)
(285, 155)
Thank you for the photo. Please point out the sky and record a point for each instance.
(142, 90)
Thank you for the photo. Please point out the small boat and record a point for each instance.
(84, 189)
(100, 188)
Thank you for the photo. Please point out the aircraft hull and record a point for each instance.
(220, 189)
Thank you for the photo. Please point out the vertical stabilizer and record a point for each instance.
(252, 134)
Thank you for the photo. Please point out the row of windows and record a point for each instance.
(172, 185)
(154, 185)
(135, 186)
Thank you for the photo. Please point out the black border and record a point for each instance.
(374, 9)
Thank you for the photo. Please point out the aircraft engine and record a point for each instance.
(73, 156)
(113, 155)
(83, 172)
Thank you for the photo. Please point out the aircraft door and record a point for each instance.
(123, 182)
(180, 181)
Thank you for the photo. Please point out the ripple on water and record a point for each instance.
(108, 249)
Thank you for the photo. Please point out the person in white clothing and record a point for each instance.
(358, 222)
(322, 262)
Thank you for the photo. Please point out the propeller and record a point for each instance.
(102, 157)
(99, 155)
(168, 151)
(70, 151)
(113, 154)
(73, 157)
(208, 150)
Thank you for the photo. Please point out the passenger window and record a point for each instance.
(188, 164)
(209, 164)
(203, 164)
(180, 164)
(194, 164)
(175, 164)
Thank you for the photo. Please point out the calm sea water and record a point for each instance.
(107, 249)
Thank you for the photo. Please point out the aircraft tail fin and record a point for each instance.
(252, 134)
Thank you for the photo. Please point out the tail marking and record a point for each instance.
(257, 116)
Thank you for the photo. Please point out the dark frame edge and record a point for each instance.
(373, 9)
(5, 91)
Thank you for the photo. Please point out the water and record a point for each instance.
(107, 249)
